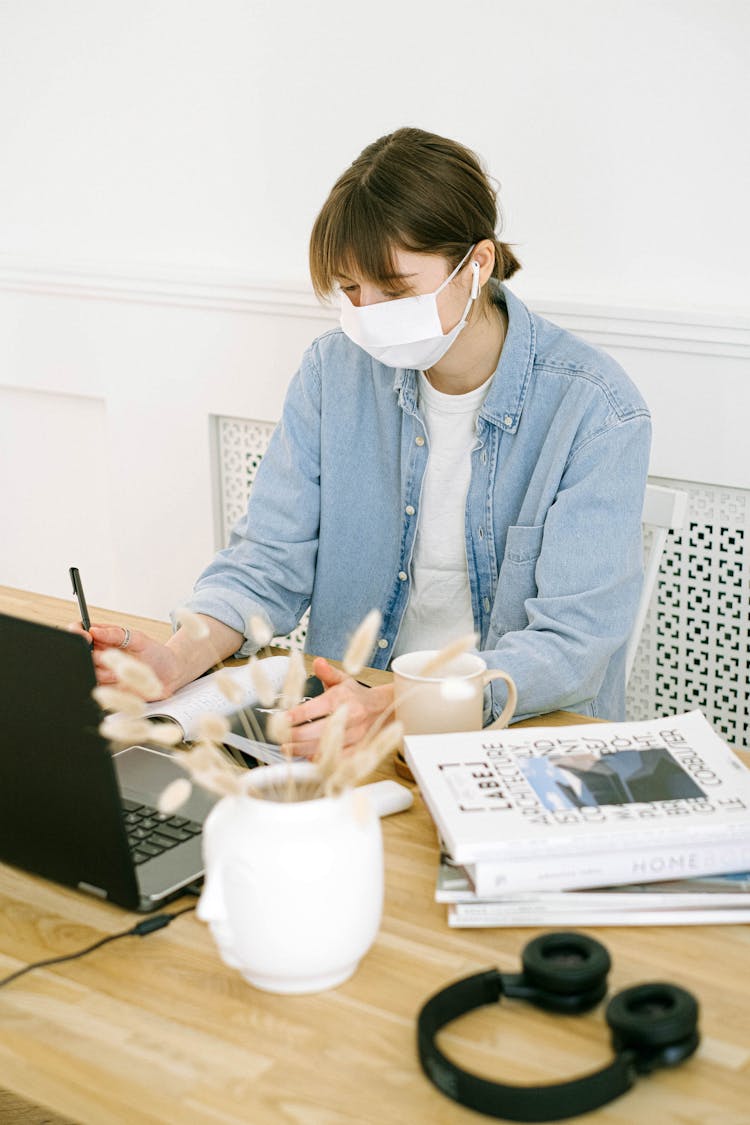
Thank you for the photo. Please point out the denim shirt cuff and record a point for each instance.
(236, 616)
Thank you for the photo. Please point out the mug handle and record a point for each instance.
(510, 706)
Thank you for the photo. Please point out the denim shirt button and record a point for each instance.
(382, 643)
(419, 441)
(507, 420)
(402, 576)
(409, 510)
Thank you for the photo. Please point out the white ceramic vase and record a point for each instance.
(293, 892)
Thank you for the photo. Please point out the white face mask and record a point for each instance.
(406, 332)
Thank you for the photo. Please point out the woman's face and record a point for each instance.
(417, 274)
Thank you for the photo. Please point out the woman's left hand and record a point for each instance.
(364, 706)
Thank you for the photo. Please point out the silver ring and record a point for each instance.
(126, 639)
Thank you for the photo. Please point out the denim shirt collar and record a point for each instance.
(504, 402)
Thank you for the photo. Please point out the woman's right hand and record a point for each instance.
(162, 659)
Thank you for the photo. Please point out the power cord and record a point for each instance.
(147, 926)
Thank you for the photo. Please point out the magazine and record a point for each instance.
(585, 791)
(715, 899)
(527, 914)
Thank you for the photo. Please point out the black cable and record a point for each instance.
(147, 926)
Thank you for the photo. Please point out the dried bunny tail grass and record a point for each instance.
(331, 744)
(133, 673)
(194, 625)
(294, 681)
(126, 729)
(211, 727)
(382, 744)
(359, 764)
(360, 647)
(247, 786)
(455, 690)
(279, 728)
(262, 684)
(115, 699)
(456, 648)
(165, 734)
(211, 769)
(260, 631)
(174, 796)
(361, 807)
(204, 756)
(228, 686)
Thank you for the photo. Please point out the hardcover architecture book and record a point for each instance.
(560, 808)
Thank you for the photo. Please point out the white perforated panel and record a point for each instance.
(240, 444)
(694, 646)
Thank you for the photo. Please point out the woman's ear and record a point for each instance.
(484, 253)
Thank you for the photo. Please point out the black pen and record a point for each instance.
(75, 578)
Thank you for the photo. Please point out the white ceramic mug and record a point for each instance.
(449, 700)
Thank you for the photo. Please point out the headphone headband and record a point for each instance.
(653, 1025)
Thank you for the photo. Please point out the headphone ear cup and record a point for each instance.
(648, 1017)
(566, 963)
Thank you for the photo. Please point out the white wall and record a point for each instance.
(209, 132)
(161, 164)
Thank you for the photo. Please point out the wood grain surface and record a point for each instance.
(158, 1030)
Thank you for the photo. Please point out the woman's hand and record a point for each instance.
(183, 658)
(364, 706)
(163, 661)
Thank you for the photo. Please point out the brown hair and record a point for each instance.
(409, 190)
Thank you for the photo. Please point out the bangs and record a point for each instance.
(354, 236)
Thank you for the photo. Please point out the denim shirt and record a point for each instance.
(553, 514)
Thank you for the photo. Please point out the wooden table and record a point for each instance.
(159, 1030)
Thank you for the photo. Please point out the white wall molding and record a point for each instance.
(694, 331)
(209, 289)
(669, 330)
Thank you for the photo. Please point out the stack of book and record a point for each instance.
(642, 823)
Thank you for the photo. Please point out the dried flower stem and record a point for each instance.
(359, 649)
(456, 648)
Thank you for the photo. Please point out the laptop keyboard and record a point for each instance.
(150, 832)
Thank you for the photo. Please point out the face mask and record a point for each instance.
(406, 332)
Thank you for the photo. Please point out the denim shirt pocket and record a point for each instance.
(517, 578)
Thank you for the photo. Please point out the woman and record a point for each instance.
(445, 456)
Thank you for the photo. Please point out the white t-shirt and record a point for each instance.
(439, 607)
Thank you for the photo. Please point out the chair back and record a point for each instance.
(664, 509)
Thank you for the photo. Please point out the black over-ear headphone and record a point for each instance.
(652, 1025)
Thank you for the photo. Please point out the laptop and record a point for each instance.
(71, 810)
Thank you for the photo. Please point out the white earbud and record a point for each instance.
(475, 280)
